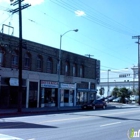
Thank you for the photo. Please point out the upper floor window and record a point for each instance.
(1, 58)
(27, 61)
(81, 71)
(49, 65)
(15, 59)
(39, 63)
(67, 68)
(74, 70)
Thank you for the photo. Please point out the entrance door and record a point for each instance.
(33, 90)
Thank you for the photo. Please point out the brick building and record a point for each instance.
(78, 78)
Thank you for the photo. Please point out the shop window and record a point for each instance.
(14, 59)
(49, 65)
(39, 63)
(81, 71)
(27, 61)
(82, 97)
(50, 96)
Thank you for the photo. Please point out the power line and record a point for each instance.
(33, 21)
(89, 17)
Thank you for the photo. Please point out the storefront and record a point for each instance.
(9, 92)
(68, 94)
(85, 92)
(49, 92)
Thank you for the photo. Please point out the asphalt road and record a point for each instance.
(110, 124)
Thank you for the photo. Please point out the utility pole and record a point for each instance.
(138, 38)
(108, 82)
(19, 9)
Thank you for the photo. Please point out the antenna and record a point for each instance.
(89, 55)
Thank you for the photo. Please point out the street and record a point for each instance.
(109, 124)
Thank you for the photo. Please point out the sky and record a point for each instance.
(105, 27)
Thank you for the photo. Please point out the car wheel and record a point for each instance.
(104, 106)
(93, 107)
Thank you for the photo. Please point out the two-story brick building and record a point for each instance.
(78, 78)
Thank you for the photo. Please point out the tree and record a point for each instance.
(115, 92)
(124, 93)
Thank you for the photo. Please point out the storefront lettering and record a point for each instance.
(50, 84)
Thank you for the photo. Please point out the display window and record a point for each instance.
(50, 96)
(82, 97)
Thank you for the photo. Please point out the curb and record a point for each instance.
(34, 112)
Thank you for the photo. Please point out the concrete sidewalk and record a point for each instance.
(30, 111)
(6, 112)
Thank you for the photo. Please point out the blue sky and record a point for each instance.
(105, 27)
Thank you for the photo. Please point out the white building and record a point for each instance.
(118, 78)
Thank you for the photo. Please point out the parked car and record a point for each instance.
(94, 104)
(117, 99)
(110, 99)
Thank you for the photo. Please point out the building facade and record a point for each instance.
(118, 78)
(79, 75)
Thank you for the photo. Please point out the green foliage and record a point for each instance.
(115, 92)
(121, 92)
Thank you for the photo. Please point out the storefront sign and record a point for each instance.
(13, 82)
(68, 86)
(49, 84)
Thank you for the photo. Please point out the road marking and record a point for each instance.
(109, 124)
(7, 137)
(60, 120)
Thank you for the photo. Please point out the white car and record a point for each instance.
(117, 99)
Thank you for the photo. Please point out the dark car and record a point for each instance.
(94, 104)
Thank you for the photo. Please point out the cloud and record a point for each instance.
(80, 13)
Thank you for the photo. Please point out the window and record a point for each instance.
(49, 65)
(1, 58)
(27, 61)
(14, 59)
(81, 71)
(39, 63)
(67, 68)
(74, 70)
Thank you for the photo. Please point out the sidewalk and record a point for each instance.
(31, 111)
(6, 112)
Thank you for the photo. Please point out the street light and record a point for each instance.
(59, 64)
(108, 81)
